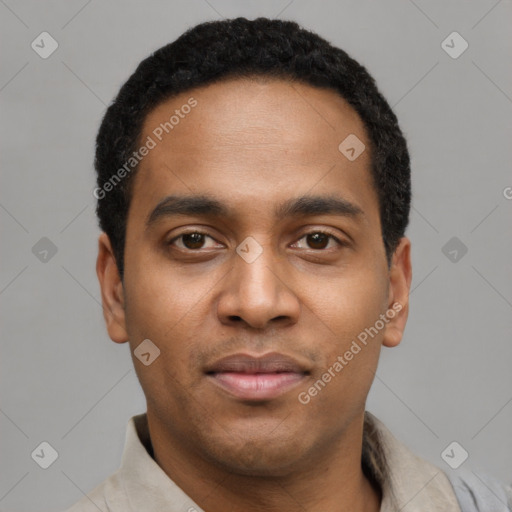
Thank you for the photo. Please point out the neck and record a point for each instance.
(330, 480)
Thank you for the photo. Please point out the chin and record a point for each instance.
(257, 455)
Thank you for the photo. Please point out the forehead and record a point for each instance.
(253, 141)
(252, 112)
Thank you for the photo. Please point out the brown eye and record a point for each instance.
(193, 240)
(317, 240)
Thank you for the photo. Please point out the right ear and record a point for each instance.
(112, 292)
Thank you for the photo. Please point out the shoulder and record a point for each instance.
(481, 492)
(402, 473)
(108, 496)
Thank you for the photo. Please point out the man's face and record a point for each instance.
(296, 284)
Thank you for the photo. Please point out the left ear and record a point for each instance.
(400, 277)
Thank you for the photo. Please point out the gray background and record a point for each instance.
(63, 381)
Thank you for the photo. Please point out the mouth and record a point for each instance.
(256, 378)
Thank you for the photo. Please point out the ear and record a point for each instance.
(400, 276)
(112, 292)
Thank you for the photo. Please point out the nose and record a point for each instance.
(257, 294)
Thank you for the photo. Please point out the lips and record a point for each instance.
(256, 378)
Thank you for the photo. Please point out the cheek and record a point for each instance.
(156, 298)
(350, 349)
(170, 309)
(345, 318)
(350, 303)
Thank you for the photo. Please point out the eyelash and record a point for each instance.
(316, 231)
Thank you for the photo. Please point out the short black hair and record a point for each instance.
(240, 48)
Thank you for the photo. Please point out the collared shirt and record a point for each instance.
(408, 483)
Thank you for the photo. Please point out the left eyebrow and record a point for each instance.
(201, 205)
(318, 205)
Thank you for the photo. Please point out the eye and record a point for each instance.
(192, 240)
(196, 240)
(318, 240)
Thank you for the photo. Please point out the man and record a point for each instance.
(254, 191)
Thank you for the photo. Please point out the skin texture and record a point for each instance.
(253, 144)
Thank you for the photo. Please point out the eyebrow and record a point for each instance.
(201, 205)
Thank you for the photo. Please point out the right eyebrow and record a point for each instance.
(186, 205)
